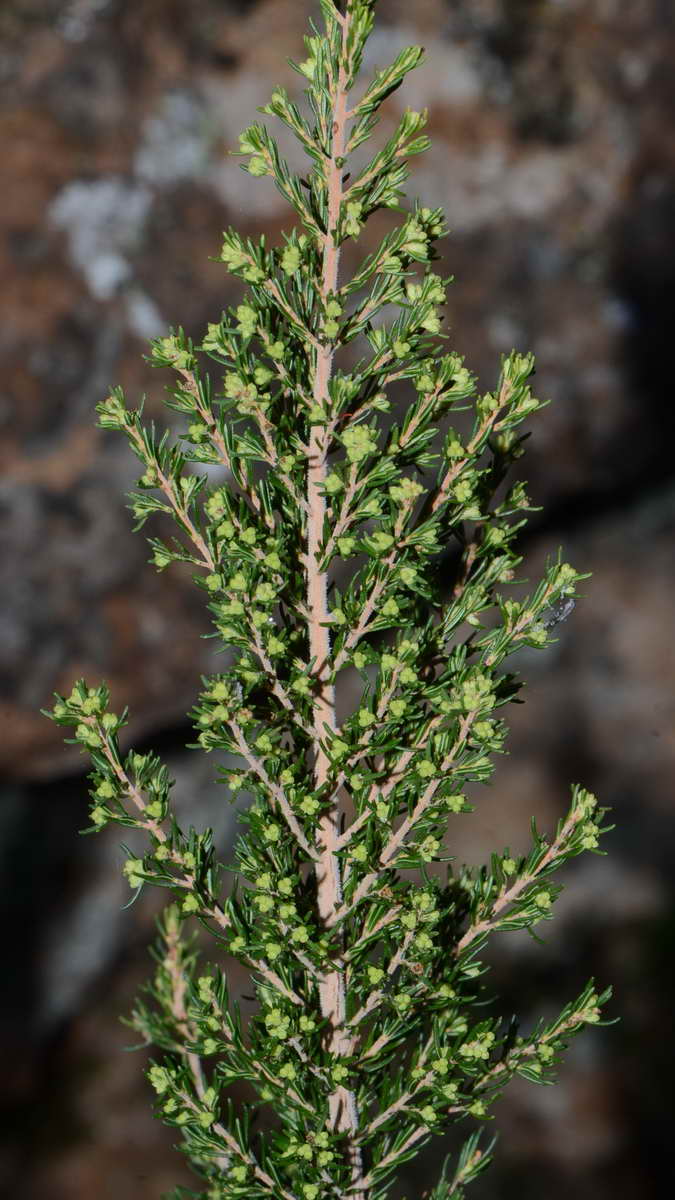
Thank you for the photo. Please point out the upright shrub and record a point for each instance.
(318, 534)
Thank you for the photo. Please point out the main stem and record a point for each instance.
(342, 1103)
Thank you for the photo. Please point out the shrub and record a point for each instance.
(319, 552)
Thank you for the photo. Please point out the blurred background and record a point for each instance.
(554, 158)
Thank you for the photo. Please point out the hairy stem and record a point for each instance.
(342, 1103)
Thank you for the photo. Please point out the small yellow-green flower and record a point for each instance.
(455, 802)
(359, 441)
(429, 847)
(133, 869)
(257, 166)
(426, 769)
(247, 319)
(290, 259)
(160, 1079)
(352, 218)
(380, 541)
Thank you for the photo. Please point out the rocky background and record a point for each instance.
(554, 157)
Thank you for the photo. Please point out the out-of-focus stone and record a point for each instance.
(535, 149)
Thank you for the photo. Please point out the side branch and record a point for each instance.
(513, 893)
(209, 905)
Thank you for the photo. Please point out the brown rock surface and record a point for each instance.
(554, 157)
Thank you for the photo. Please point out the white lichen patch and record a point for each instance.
(176, 141)
(103, 220)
